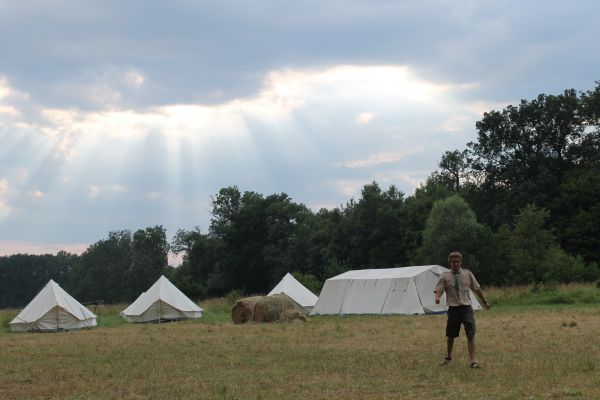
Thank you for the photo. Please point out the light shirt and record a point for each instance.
(447, 284)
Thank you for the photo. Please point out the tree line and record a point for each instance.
(522, 203)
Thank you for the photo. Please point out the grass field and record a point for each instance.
(528, 351)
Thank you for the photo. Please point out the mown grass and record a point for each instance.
(527, 352)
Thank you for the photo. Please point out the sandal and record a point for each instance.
(446, 361)
(475, 365)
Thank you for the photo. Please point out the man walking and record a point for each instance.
(457, 284)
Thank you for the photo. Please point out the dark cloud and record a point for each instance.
(209, 52)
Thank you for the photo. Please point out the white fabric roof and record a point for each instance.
(50, 297)
(295, 290)
(162, 290)
(389, 273)
(407, 290)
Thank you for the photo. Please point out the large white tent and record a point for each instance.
(52, 310)
(296, 291)
(162, 302)
(407, 290)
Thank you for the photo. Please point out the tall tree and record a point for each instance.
(531, 242)
(254, 236)
(101, 272)
(452, 225)
(524, 152)
(149, 257)
(199, 259)
(453, 166)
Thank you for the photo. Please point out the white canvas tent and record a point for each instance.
(162, 302)
(53, 310)
(407, 290)
(296, 291)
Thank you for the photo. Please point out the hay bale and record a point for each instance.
(292, 315)
(275, 308)
(278, 307)
(243, 309)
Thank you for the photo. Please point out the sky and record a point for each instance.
(129, 114)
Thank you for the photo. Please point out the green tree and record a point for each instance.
(578, 222)
(561, 267)
(101, 272)
(199, 259)
(525, 153)
(254, 236)
(22, 276)
(531, 243)
(374, 229)
(452, 225)
(453, 166)
(319, 247)
(149, 258)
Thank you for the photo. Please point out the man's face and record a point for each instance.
(455, 263)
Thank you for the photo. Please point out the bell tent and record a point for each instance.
(296, 291)
(407, 290)
(53, 310)
(162, 302)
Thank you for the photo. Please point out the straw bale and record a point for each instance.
(275, 308)
(243, 309)
(292, 315)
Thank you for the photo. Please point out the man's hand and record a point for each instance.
(486, 305)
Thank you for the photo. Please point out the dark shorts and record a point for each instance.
(457, 316)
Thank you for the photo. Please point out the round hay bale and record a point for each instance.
(271, 308)
(243, 309)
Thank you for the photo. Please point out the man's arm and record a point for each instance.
(479, 293)
(477, 289)
(439, 290)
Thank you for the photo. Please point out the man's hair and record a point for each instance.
(454, 254)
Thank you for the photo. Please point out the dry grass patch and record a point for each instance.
(525, 355)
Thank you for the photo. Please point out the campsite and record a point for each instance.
(354, 200)
(532, 345)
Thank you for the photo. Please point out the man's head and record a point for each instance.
(455, 260)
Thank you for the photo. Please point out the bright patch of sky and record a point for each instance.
(123, 115)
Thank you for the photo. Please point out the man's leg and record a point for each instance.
(471, 348)
(450, 346)
(470, 329)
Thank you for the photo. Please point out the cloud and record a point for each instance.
(5, 90)
(36, 193)
(10, 111)
(380, 158)
(93, 191)
(285, 93)
(5, 209)
(10, 102)
(134, 79)
(349, 187)
(454, 124)
(309, 132)
(119, 188)
(364, 118)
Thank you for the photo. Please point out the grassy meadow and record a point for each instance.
(533, 344)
